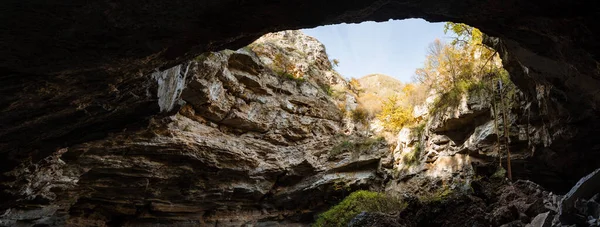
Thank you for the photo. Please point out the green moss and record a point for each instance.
(248, 49)
(413, 157)
(357, 202)
(437, 196)
(418, 130)
(500, 173)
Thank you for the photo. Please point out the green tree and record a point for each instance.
(465, 34)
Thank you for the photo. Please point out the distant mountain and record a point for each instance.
(376, 88)
(380, 85)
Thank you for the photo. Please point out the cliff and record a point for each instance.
(244, 145)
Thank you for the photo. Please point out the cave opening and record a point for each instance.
(93, 133)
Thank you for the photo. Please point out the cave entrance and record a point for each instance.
(443, 77)
(410, 75)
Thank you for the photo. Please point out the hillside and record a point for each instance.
(375, 88)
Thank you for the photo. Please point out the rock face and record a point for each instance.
(76, 74)
(244, 145)
(69, 59)
(461, 140)
(581, 205)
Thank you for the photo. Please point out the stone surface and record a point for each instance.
(70, 59)
(74, 74)
(580, 204)
(542, 220)
(374, 220)
(240, 145)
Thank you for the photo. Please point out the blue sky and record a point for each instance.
(395, 48)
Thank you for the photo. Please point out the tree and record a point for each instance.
(461, 63)
(465, 34)
(394, 116)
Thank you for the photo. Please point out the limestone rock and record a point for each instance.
(243, 146)
(582, 201)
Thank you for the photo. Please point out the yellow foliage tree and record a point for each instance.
(394, 116)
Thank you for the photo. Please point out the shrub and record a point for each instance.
(326, 88)
(500, 173)
(357, 202)
(412, 158)
(290, 76)
(359, 115)
(450, 99)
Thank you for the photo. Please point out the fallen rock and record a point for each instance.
(573, 207)
(541, 220)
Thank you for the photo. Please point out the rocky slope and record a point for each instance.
(244, 145)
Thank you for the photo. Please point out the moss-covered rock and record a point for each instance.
(357, 202)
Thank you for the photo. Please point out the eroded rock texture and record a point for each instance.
(75, 73)
(244, 146)
(68, 59)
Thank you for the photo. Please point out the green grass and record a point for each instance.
(357, 202)
(344, 146)
(418, 130)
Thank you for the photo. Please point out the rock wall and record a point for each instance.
(452, 162)
(243, 145)
(460, 141)
(69, 59)
(74, 73)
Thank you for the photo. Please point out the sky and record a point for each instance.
(394, 48)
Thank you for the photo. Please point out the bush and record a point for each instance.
(357, 202)
(412, 158)
(359, 115)
(326, 88)
(450, 99)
